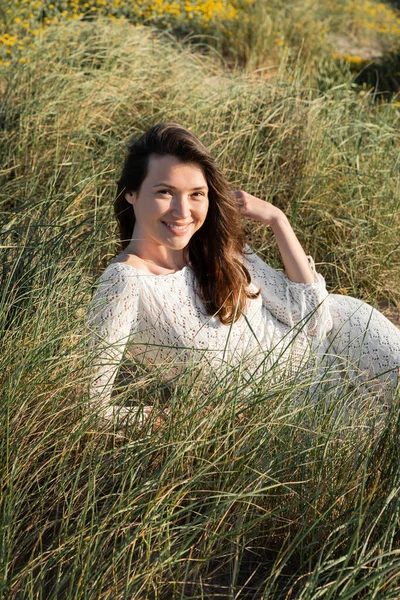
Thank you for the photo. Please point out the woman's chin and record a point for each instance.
(178, 241)
(179, 244)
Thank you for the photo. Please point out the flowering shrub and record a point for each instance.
(371, 16)
(265, 30)
(28, 18)
(367, 21)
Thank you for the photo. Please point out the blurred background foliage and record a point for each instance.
(256, 33)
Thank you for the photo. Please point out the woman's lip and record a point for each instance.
(172, 223)
(177, 228)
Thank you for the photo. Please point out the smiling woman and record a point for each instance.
(186, 289)
(170, 179)
(171, 205)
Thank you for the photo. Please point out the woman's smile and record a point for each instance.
(177, 228)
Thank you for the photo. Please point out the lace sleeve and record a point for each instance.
(111, 318)
(292, 302)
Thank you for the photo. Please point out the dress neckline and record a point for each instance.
(148, 274)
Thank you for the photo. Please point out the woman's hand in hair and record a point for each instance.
(294, 258)
(257, 209)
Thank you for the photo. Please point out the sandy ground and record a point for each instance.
(393, 314)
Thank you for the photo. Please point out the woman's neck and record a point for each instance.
(155, 260)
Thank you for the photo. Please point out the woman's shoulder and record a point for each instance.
(118, 278)
(117, 269)
(251, 258)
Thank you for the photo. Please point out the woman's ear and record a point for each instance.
(130, 197)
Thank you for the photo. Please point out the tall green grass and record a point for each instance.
(298, 496)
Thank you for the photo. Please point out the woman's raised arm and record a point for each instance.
(294, 258)
(294, 297)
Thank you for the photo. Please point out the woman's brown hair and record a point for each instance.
(215, 249)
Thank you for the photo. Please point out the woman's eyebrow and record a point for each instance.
(168, 185)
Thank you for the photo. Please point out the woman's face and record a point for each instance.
(171, 204)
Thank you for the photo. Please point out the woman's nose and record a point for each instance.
(180, 205)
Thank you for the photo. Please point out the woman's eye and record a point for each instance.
(165, 192)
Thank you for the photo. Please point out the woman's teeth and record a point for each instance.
(177, 227)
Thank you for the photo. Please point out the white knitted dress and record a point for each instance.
(161, 322)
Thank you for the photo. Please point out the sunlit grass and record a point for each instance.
(268, 491)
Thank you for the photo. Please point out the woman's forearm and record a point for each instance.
(294, 258)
